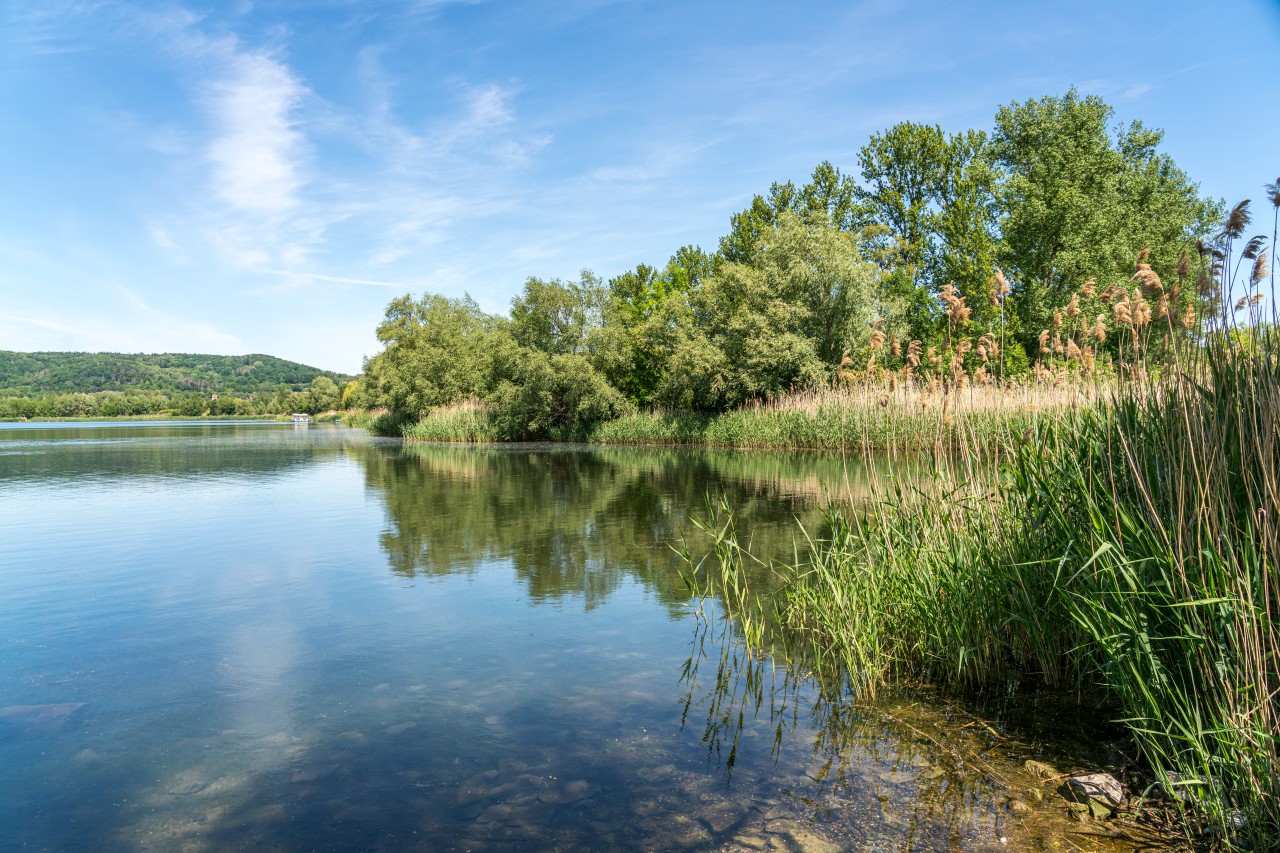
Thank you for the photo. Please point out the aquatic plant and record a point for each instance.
(1127, 550)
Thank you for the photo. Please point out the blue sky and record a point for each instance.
(265, 175)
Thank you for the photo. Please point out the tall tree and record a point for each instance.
(558, 317)
(828, 197)
(780, 323)
(1079, 202)
(437, 351)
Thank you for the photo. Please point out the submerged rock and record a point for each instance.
(39, 718)
(1041, 770)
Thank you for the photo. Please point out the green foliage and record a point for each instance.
(558, 317)
(762, 330)
(1079, 202)
(438, 351)
(945, 265)
(828, 197)
(543, 396)
(31, 374)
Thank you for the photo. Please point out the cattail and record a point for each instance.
(1002, 286)
(1254, 246)
(1044, 341)
(1141, 310)
(1121, 313)
(1204, 284)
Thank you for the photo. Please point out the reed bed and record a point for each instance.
(1126, 549)
(463, 422)
(878, 415)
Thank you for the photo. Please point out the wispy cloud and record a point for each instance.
(258, 147)
(312, 276)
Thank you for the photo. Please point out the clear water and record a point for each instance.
(280, 637)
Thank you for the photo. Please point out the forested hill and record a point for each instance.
(39, 373)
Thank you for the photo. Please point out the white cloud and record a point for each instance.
(258, 145)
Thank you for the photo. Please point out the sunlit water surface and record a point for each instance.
(278, 637)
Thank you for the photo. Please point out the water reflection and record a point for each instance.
(203, 649)
(578, 522)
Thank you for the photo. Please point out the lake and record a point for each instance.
(258, 636)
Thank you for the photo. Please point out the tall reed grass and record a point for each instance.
(1128, 550)
(467, 421)
(877, 415)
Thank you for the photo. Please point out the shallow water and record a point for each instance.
(274, 637)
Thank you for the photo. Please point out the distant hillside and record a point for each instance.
(38, 373)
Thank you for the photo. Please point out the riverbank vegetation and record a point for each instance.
(1127, 550)
(948, 262)
(1054, 290)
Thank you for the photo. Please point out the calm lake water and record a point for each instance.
(276, 637)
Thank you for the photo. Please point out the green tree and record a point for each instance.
(932, 197)
(558, 317)
(634, 344)
(760, 330)
(828, 197)
(438, 351)
(558, 396)
(1079, 202)
(324, 394)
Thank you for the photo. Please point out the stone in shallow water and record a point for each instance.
(399, 728)
(1096, 787)
(39, 718)
(796, 836)
(1040, 769)
(570, 792)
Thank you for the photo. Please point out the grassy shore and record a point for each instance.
(881, 416)
(1128, 551)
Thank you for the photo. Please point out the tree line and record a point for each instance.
(322, 394)
(986, 255)
(67, 384)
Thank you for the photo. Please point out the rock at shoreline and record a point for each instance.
(1102, 787)
(1094, 795)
